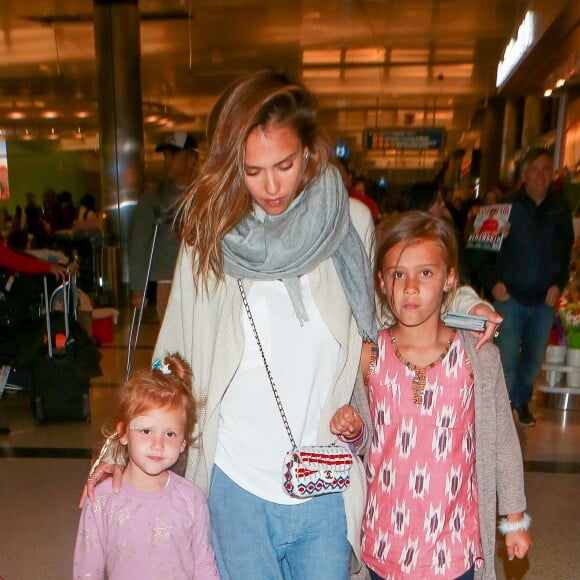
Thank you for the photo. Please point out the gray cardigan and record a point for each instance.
(498, 456)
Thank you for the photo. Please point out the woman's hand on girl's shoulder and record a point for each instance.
(492, 326)
(102, 471)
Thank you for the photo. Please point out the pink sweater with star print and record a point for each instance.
(161, 535)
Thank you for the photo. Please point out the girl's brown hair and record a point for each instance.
(219, 199)
(411, 228)
(151, 388)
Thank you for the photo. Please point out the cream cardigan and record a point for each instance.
(205, 326)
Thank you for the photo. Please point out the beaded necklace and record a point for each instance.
(420, 378)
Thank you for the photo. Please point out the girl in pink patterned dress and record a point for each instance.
(444, 446)
(157, 526)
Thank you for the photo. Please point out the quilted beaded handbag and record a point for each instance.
(316, 470)
(308, 470)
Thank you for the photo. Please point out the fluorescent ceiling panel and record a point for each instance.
(331, 56)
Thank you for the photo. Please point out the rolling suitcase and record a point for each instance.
(59, 389)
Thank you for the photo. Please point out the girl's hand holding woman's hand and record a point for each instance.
(346, 422)
(102, 471)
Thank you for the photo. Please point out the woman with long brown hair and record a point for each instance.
(269, 209)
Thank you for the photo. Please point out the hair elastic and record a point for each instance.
(505, 526)
(159, 365)
(354, 441)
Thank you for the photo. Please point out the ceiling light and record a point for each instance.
(408, 55)
(331, 56)
(516, 48)
(16, 115)
(323, 73)
(364, 55)
(151, 118)
(50, 114)
(456, 71)
(456, 54)
(560, 83)
(409, 72)
(548, 93)
(362, 73)
(82, 114)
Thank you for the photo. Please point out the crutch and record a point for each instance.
(133, 341)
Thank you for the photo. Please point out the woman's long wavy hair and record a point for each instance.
(219, 199)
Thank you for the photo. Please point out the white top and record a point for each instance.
(303, 360)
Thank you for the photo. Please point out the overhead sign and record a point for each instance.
(341, 150)
(404, 139)
(516, 49)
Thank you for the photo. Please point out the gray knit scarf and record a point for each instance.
(315, 226)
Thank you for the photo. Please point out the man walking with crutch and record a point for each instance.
(154, 244)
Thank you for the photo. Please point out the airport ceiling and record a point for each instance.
(373, 63)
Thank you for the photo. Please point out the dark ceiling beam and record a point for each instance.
(87, 18)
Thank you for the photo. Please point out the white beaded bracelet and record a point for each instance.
(505, 526)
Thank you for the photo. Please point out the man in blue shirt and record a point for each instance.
(528, 275)
(157, 206)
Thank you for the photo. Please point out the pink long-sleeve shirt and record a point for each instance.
(161, 535)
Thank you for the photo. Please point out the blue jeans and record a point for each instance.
(522, 341)
(255, 538)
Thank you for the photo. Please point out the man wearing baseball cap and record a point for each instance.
(157, 207)
(177, 141)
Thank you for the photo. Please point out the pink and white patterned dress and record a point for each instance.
(421, 519)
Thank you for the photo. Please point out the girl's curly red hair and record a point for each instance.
(151, 388)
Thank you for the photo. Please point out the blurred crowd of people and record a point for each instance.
(43, 222)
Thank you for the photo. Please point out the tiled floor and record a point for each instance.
(42, 470)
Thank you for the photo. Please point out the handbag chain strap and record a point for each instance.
(274, 390)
